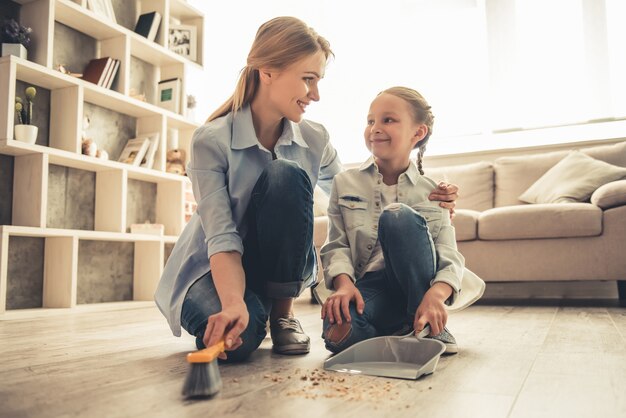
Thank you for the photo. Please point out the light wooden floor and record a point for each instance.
(515, 361)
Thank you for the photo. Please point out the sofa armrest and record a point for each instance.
(610, 195)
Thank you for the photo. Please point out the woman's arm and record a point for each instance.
(446, 194)
(232, 320)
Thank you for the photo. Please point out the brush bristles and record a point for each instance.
(203, 380)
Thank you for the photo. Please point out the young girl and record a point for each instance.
(391, 254)
(248, 250)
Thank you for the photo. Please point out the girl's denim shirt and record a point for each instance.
(353, 212)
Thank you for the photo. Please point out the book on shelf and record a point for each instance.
(168, 96)
(135, 151)
(108, 82)
(97, 69)
(152, 149)
(148, 25)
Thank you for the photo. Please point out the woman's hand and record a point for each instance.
(446, 194)
(339, 301)
(432, 310)
(227, 324)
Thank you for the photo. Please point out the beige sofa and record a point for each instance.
(506, 240)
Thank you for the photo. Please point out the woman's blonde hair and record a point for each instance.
(421, 114)
(279, 43)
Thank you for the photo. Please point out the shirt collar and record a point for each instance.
(411, 172)
(244, 136)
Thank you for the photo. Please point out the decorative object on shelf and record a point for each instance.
(191, 107)
(172, 138)
(136, 95)
(169, 94)
(65, 70)
(24, 130)
(183, 40)
(148, 25)
(15, 38)
(134, 151)
(102, 8)
(147, 228)
(88, 145)
(175, 161)
(152, 149)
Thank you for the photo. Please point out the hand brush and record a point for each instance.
(203, 378)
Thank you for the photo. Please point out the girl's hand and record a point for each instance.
(339, 301)
(227, 324)
(431, 311)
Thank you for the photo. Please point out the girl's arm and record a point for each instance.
(335, 253)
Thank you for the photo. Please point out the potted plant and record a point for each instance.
(24, 129)
(15, 38)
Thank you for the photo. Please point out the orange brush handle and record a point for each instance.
(207, 355)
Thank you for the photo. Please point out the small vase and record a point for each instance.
(14, 49)
(26, 133)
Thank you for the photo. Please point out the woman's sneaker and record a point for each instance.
(448, 339)
(288, 337)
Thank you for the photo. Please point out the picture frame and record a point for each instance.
(183, 40)
(102, 8)
(152, 149)
(135, 151)
(168, 94)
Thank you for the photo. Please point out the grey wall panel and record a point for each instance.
(71, 198)
(73, 49)
(6, 188)
(125, 13)
(25, 273)
(105, 271)
(141, 202)
(143, 79)
(110, 130)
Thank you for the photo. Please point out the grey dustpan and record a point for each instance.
(405, 357)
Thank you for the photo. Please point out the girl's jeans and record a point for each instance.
(278, 255)
(392, 294)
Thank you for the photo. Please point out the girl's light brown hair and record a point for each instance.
(279, 43)
(421, 114)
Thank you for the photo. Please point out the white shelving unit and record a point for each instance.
(68, 95)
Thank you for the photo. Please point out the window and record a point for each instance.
(484, 65)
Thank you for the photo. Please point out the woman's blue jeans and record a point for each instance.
(278, 255)
(393, 294)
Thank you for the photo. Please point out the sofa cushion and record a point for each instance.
(513, 175)
(573, 179)
(475, 183)
(465, 224)
(320, 230)
(610, 195)
(320, 202)
(540, 221)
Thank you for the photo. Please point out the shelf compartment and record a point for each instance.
(23, 281)
(71, 202)
(141, 203)
(105, 271)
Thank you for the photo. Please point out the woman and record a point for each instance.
(247, 252)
